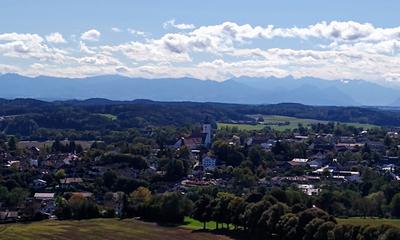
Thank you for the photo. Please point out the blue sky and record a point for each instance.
(203, 39)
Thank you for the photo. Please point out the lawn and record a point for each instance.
(275, 122)
(369, 221)
(193, 224)
(100, 229)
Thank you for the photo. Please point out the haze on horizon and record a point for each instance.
(204, 40)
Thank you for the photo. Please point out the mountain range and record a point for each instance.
(248, 90)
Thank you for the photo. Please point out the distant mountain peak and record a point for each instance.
(250, 90)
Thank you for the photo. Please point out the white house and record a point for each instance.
(34, 162)
(309, 189)
(209, 163)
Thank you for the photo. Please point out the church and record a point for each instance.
(197, 141)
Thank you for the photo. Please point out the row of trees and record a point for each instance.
(257, 215)
(270, 219)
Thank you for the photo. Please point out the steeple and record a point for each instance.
(207, 132)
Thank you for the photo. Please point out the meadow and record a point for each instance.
(369, 221)
(129, 229)
(276, 122)
(100, 229)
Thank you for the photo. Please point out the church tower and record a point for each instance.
(207, 132)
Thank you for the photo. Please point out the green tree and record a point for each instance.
(200, 210)
(395, 205)
(12, 144)
(173, 207)
(63, 210)
(60, 174)
(286, 226)
(109, 178)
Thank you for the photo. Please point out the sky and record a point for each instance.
(208, 39)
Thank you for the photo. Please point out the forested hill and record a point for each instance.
(24, 116)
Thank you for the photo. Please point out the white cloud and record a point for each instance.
(137, 33)
(334, 50)
(115, 29)
(8, 37)
(85, 49)
(181, 26)
(30, 46)
(91, 35)
(55, 37)
(99, 59)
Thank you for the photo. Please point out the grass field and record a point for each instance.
(100, 229)
(109, 116)
(244, 127)
(369, 221)
(274, 120)
(113, 229)
(193, 224)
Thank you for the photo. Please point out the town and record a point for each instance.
(318, 160)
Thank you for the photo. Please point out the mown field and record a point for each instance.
(114, 229)
(100, 229)
(275, 122)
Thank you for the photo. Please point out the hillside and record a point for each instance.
(29, 117)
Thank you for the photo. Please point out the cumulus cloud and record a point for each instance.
(181, 26)
(55, 37)
(28, 46)
(20, 37)
(334, 50)
(91, 35)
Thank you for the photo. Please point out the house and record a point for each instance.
(317, 163)
(68, 181)
(393, 134)
(344, 139)
(191, 142)
(44, 203)
(83, 194)
(33, 162)
(208, 163)
(300, 138)
(8, 216)
(350, 176)
(298, 162)
(265, 143)
(387, 168)
(13, 164)
(309, 189)
(39, 183)
(323, 170)
(355, 147)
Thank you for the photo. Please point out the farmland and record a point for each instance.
(282, 123)
(98, 229)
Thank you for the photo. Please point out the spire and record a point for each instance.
(207, 120)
